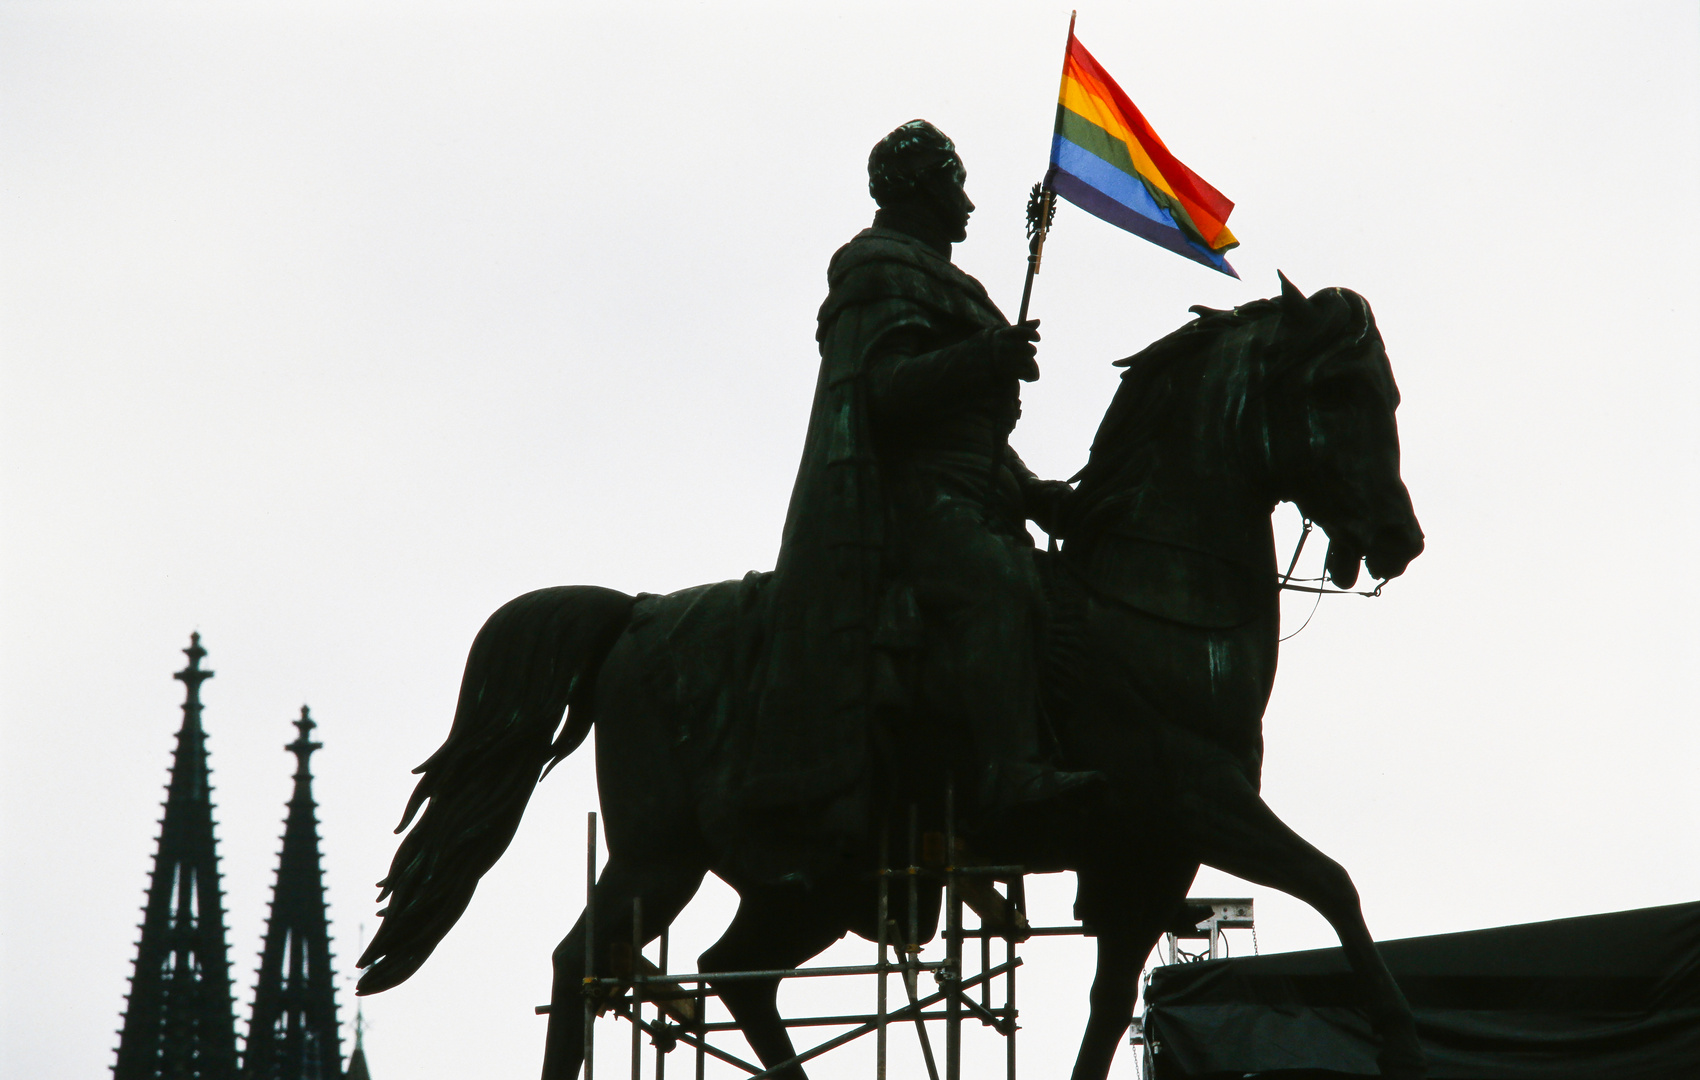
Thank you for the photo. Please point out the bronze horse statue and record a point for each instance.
(1164, 622)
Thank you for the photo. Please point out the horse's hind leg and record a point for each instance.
(1232, 829)
(665, 887)
(1128, 907)
(774, 928)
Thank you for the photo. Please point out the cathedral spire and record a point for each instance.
(357, 1060)
(292, 1033)
(179, 1021)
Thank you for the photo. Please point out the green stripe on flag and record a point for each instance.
(1113, 151)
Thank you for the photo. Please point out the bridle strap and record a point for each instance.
(1294, 561)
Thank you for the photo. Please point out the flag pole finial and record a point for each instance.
(1041, 211)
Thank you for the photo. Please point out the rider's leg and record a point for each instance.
(775, 927)
(665, 888)
(980, 599)
(1229, 827)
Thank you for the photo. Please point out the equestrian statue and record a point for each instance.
(1095, 708)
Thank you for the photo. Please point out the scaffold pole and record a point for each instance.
(590, 948)
(952, 941)
(681, 1000)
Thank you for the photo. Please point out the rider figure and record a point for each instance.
(909, 498)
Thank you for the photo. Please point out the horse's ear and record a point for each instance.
(1290, 293)
(1294, 303)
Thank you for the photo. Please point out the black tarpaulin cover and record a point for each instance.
(1603, 997)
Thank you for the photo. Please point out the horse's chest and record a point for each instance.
(1189, 673)
(1187, 635)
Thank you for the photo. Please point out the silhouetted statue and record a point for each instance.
(766, 728)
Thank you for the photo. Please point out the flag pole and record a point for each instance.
(1041, 205)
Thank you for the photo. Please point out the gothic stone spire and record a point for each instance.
(180, 1020)
(357, 1060)
(292, 1033)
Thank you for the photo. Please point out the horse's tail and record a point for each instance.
(536, 657)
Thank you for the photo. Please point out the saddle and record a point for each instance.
(698, 647)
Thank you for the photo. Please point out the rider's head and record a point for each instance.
(915, 173)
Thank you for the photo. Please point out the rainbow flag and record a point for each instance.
(1106, 160)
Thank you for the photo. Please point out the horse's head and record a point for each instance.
(1283, 400)
(1333, 443)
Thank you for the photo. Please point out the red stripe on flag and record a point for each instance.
(1209, 227)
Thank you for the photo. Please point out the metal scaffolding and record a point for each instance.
(679, 1002)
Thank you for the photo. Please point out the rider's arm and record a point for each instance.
(904, 379)
(1041, 500)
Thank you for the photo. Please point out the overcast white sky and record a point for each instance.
(327, 328)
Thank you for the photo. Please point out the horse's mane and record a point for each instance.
(1142, 415)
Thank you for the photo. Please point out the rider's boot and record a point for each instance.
(1023, 784)
(1017, 777)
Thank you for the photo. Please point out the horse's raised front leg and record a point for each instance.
(1232, 829)
(774, 928)
(665, 887)
(1128, 907)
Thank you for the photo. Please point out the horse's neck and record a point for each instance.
(1197, 497)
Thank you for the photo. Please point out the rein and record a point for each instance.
(1380, 584)
(1287, 578)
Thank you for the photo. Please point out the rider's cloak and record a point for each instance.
(810, 738)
